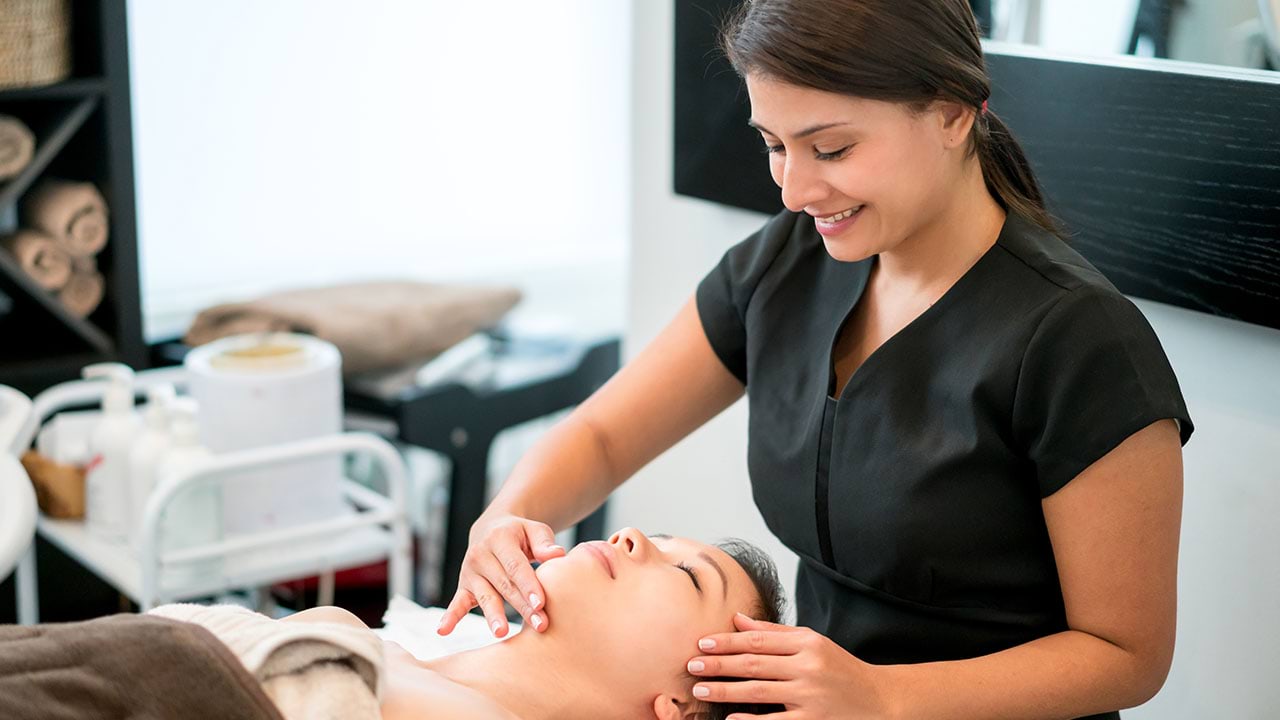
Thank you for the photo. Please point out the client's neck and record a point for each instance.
(534, 677)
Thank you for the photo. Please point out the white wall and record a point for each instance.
(1228, 651)
(294, 142)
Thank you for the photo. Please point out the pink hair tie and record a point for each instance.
(984, 107)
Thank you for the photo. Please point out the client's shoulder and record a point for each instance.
(414, 692)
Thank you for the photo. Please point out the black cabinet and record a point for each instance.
(83, 132)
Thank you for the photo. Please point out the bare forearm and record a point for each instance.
(1066, 675)
(561, 479)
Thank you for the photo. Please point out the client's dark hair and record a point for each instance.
(771, 608)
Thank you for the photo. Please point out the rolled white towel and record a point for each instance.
(72, 213)
(17, 146)
(40, 257)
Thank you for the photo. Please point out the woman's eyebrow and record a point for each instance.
(724, 579)
(802, 134)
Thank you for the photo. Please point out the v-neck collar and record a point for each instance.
(860, 287)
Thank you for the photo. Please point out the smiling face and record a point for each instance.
(831, 154)
(637, 606)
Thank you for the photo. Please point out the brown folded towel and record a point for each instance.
(131, 667)
(47, 263)
(84, 290)
(72, 213)
(375, 325)
(17, 146)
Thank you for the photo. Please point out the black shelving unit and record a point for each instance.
(83, 130)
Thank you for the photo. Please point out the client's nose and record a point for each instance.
(632, 542)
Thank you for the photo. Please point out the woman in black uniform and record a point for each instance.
(968, 435)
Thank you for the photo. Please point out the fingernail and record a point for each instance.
(555, 547)
(699, 691)
(707, 643)
(534, 600)
(697, 666)
(537, 621)
(496, 626)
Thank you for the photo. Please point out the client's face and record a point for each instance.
(635, 607)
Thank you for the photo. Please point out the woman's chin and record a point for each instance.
(846, 251)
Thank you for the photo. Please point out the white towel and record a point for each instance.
(311, 671)
(413, 627)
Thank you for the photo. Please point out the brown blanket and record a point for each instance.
(126, 667)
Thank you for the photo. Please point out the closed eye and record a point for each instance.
(692, 576)
(833, 155)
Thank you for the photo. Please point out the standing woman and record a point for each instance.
(971, 439)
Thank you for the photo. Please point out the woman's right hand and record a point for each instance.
(498, 566)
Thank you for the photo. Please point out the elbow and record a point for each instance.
(1151, 670)
(1151, 682)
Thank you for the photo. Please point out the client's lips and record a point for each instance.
(603, 552)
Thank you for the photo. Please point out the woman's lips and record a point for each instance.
(603, 553)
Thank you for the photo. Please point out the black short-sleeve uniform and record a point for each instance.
(913, 499)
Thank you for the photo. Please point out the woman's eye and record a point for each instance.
(692, 576)
(833, 155)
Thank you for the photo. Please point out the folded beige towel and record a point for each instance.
(84, 290)
(72, 213)
(40, 257)
(17, 146)
(375, 325)
(311, 671)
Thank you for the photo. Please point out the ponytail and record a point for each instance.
(1008, 174)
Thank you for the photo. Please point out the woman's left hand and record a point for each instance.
(791, 666)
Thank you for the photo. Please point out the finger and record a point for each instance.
(746, 622)
(760, 642)
(755, 667)
(520, 587)
(461, 603)
(788, 715)
(746, 691)
(490, 603)
(542, 542)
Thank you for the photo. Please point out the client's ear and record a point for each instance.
(671, 707)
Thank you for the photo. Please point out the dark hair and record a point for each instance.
(771, 608)
(912, 52)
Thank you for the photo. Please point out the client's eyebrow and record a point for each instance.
(724, 579)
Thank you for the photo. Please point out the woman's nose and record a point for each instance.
(633, 543)
(800, 187)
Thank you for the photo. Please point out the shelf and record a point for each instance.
(48, 145)
(65, 90)
(52, 138)
(117, 563)
(82, 129)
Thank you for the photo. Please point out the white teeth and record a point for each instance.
(839, 216)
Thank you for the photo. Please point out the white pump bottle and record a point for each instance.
(194, 517)
(107, 474)
(147, 451)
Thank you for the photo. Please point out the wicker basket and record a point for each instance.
(35, 42)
